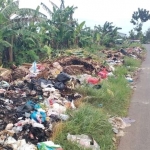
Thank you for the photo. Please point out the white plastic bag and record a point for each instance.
(33, 68)
(84, 141)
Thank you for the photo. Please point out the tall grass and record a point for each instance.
(128, 61)
(114, 95)
(90, 121)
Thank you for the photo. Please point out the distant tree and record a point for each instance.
(146, 38)
(139, 17)
(132, 35)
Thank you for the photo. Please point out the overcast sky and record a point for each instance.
(96, 12)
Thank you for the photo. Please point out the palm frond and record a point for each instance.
(30, 40)
(5, 43)
(54, 5)
(46, 8)
(10, 9)
(28, 12)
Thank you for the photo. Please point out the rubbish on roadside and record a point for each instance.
(18, 73)
(2, 91)
(93, 80)
(110, 74)
(38, 116)
(112, 68)
(48, 145)
(63, 77)
(59, 85)
(123, 52)
(129, 79)
(84, 141)
(33, 68)
(57, 69)
(100, 105)
(128, 120)
(34, 97)
(4, 84)
(98, 86)
(103, 73)
(64, 117)
(120, 133)
(118, 124)
(9, 126)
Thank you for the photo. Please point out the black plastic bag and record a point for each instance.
(59, 85)
(63, 77)
(123, 52)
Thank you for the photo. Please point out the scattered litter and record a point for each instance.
(34, 97)
(100, 105)
(48, 145)
(118, 124)
(84, 141)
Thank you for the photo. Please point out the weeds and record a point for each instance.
(114, 95)
(90, 121)
(131, 62)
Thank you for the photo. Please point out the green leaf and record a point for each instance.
(5, 43)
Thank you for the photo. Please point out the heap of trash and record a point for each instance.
(34, 97)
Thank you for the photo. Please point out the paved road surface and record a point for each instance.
(137, 136)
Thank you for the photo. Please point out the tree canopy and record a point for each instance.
(27, 34)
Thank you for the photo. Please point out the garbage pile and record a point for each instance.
(30, 107)
(74, 65)
(34, 97)
(116, 57)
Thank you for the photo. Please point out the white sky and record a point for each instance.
(96, 12)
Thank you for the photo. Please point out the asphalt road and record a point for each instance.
(137, 137)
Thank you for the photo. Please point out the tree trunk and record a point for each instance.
(11, 51)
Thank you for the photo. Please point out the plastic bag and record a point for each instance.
(38, 116)
(29, 106)
(48, 145)
(59, 85)
(84, 141)
(93, 80)
(123, 52)
(103, 74)
(4, 84)
(63, 77)
(33, 68)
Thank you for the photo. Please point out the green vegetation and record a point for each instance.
(138, 18)
(90, 121)
(114, 95)
(30, 35)
(131, 62)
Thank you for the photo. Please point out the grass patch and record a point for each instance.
(132, 64)
(114, 96)
(90, 121)
(121, 71)
(128, 61)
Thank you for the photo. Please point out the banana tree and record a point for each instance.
(16, 19)
(77, 32)
(107, 32)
